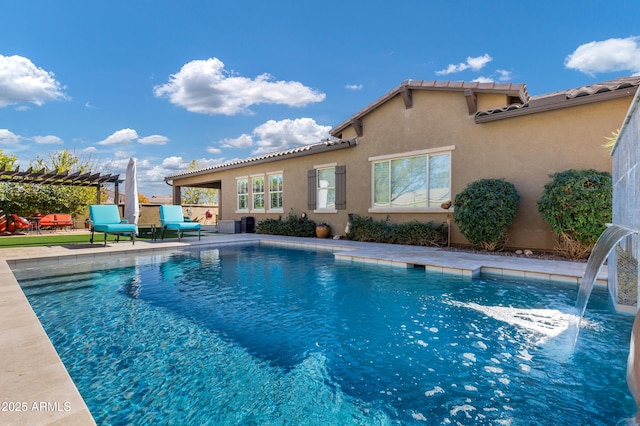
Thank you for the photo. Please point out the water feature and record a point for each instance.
(606, 242)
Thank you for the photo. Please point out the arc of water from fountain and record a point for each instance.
(605, 243)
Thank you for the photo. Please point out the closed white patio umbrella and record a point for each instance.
(131, 206)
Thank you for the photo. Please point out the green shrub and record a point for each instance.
(577, 205)
(421, 234)
(484, 210)
(410, 233)
(292, 226)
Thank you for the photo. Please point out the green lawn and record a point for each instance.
(52, 240)
(58, 239)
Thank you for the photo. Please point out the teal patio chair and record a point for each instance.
(171, 217)
(105, 218)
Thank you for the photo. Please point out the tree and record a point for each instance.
(611, 140)
(7, 161)
(193, 195)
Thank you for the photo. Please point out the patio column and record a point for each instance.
(177, 195)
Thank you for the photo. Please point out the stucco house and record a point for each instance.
(419, 145)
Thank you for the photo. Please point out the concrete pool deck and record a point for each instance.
(35, 388)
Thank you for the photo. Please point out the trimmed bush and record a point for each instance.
(292, 226)
(577, 205)
(409, 233)
(484, 210)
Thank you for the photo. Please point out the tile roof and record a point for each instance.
(314, 148)
(624, 86)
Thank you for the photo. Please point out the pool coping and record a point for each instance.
(35, 387)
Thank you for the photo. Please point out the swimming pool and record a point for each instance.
(266, 335)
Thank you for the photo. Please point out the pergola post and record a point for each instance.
(116, 193)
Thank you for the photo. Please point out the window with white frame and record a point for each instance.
(257, 192)
(418, 180)
(275, 191)
(326, 188)
(242, 190)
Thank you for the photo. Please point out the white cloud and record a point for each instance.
(499, 75)
(277, 135)
(47, 140)
(205, 87)
(126, 136)
(242, 141)
(504, 75)
(474, 63)
(22, 81)
(212, 150)
(120, 137)
(154, 140)
(614, 54)
(169, 166)
(483, 80)
(208, 162)
(8, 138)
(354, 86)
(175, 163)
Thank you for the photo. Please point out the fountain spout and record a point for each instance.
(606, 242)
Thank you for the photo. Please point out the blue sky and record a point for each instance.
(168, 82)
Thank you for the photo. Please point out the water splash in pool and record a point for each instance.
(545, 323)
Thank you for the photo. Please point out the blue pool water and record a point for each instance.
(261, 335)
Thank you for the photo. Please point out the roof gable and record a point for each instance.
(405, 91)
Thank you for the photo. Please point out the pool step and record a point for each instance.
(56, 284)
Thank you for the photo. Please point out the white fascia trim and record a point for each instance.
(413, 153)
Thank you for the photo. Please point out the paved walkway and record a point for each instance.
(35, 381)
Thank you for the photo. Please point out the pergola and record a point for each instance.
(44, 177)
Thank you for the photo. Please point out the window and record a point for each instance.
(257, 192)
(275, 192)
(242, 185)
(412, 182)
(327, 188)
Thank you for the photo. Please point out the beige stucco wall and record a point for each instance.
(523, 150)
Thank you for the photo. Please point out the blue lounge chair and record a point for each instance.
(105, 218)
(171, 217)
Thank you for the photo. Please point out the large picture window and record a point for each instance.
(242, 188)
(275, 192)
(412, 182)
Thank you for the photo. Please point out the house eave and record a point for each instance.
(313, 149)
(549, 103)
